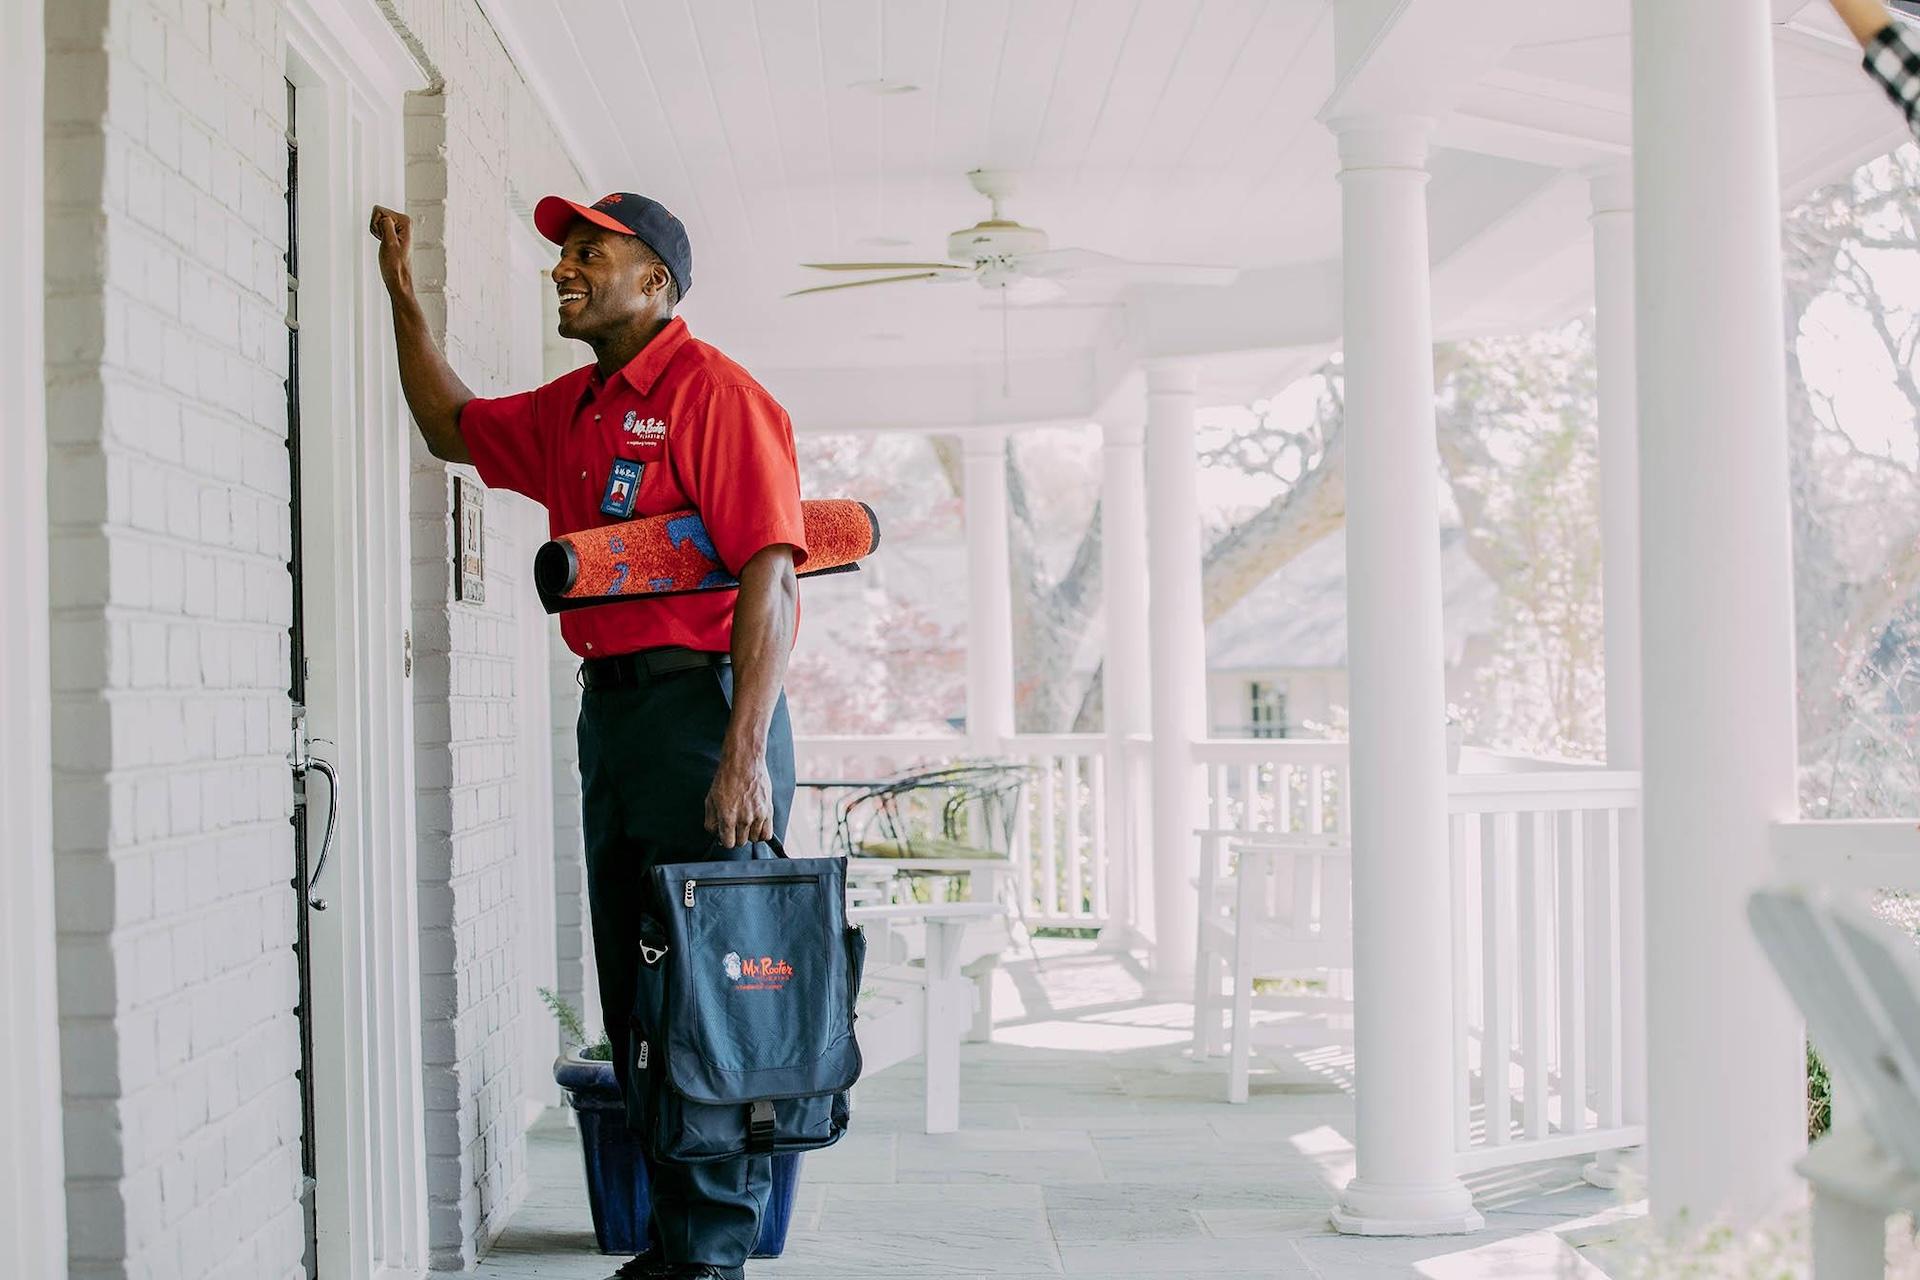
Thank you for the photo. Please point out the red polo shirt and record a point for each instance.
(727, 452)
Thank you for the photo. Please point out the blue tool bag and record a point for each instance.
(743, 1013)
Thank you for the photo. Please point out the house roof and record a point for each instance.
(1298, 617)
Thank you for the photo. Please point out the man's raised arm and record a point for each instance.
(434, 391)
(1865, 18)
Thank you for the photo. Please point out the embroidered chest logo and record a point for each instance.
(751, 974)
(643, 428)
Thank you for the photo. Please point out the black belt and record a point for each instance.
(631, 670)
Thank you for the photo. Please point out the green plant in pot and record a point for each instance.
(617, 1190)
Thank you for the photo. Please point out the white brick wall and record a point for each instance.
(169, 536)
(470, 145)
(168, 499)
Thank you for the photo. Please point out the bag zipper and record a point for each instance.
(686, 895)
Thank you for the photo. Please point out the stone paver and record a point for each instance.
(1092, 1164)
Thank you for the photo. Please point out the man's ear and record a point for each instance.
(661, 279)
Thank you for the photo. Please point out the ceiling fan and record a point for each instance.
(999, 253)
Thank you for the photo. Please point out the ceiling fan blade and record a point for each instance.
(861, 284)
(1091, 262)
(885, 266)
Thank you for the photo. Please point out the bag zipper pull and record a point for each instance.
(643, 1053)
(688, 896)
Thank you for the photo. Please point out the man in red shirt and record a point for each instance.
(686, 752)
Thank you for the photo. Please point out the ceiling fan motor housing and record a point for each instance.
(995, 243)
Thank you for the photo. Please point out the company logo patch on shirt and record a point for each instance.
(646, 430)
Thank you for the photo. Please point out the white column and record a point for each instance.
(989, 592)
(1177, 661)
(1725, 1084)
(1403, 996)
(32, 1197)
(1612, 194)
(1125, 690)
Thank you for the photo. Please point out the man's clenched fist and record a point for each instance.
(394, 231)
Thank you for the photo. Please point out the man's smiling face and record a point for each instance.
(606, 282)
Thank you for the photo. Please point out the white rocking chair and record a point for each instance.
(1857, 980)
(1284, 910)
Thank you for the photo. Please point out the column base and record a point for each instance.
(1616, 1169)
(1406, 1209)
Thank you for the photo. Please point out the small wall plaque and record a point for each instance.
(470, 530)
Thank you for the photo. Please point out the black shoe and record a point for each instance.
(706, 1271)
(648, 1266)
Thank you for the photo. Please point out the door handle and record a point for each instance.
(325, 769)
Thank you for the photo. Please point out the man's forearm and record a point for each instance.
(763, 621)
(434, 391)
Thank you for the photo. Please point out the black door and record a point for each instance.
(299, 757)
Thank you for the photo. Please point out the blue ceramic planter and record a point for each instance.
(617, 1175)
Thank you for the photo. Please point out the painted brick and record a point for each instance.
(170, 531)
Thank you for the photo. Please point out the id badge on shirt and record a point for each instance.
(623, 488)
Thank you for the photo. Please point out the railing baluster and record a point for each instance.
(1102, 834)
(1049, 842)
(1076, 904)
(1573, 975)
(1496, 981)
(1316, 800)
(1457, 862)
(1535, 959)
(1608, 1037)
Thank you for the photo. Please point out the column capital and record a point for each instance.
(981, 442)
(1611, 189)
(1382, 141)
(1172, 375)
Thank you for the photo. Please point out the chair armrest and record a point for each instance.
(920, 912)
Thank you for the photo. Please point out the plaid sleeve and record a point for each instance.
(1893, 58)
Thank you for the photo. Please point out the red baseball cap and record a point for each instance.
(630, 214)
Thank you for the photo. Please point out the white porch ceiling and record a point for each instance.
(1177, 130)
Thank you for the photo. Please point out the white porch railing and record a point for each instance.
(1856, 856)
(1275, 784)
(1540, 1034)
(1540, 1037)
(1064, 845)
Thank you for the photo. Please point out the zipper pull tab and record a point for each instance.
(687, 898)
(643, 1054)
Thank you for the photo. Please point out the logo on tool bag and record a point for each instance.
(750, 974)
(645, 428)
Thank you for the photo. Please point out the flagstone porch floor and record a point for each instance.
(1091, 1147)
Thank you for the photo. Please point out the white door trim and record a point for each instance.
(351, 73)
(32, 1197)
(528, 257)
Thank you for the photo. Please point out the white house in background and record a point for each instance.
(1371, 175)
(1277, 661)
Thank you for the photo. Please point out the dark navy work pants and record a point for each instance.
(648, 756)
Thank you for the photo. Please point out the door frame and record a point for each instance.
(528, 258)
(351, 75)
(32, 1187)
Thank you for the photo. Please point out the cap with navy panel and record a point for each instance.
(630, 214)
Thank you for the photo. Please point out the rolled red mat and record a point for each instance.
(673, 554)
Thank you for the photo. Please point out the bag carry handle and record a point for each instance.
(772, 842)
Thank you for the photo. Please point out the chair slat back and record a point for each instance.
(1850, 984)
